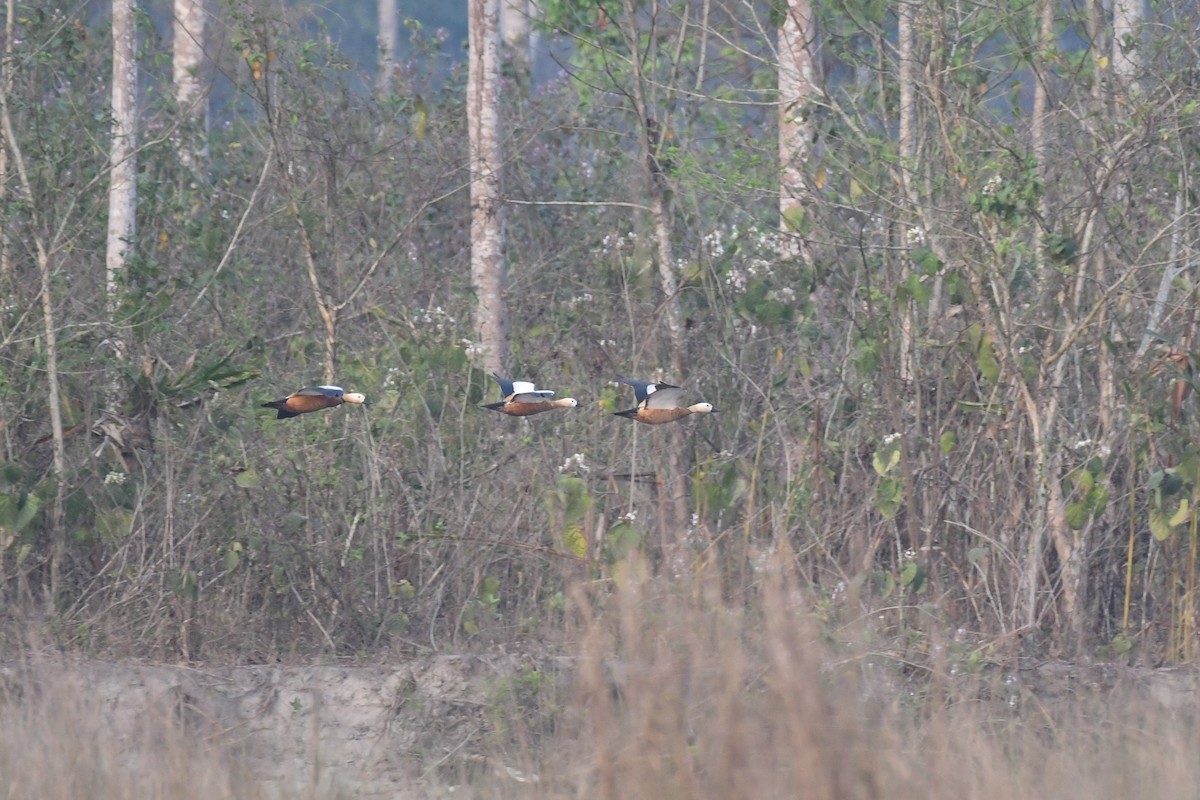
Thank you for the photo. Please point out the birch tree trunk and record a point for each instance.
(488, 268)
(388, 31)
(796, 87)
(1127, 19)
(187, 62)
(122, 191)
(514, 28)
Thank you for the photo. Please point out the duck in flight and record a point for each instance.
(659, 403)
(522, 398)
(314, 398)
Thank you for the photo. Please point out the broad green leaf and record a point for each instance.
(1159, 526)
(975, 554)
(1181, 514)
(573, 541)
(621, 540)
(1077, 515)
(248, 479)
(233, 556)
(913, 576)
(947, 442)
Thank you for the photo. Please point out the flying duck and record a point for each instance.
(659, 403)
(313, 398)
(522, 398)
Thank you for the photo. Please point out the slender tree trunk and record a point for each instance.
(514, 27)
(187, 67)
(122, 192)
(388, 31)
(488, 268)
(678, 510)
(1127, 20)
(55, 525)
(796, 87)
(6, 84)
(907, 54)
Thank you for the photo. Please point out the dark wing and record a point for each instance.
(506, 386)
(639, 387)
(321, 391)
(643, 389)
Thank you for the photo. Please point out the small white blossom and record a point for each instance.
(891, 437)
(116, 478)
(575, 463)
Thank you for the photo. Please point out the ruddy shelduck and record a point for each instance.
(659, 403)
(522, 398)
(313, 398)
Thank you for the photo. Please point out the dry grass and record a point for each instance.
(59, 742)
(677, 694)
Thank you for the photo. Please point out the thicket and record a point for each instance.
(898, 408)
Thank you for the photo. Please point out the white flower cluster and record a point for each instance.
(575, 463)
(616, 243)
(753, 250)
(579, 299)
(115, 478)
(992, 186)
(435, 319)
(472, 349)
(915, 236)
(891, 437)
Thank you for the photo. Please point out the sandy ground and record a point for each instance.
(417, 729)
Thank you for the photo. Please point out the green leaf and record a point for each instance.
(573, 541)
(1159, 526)
(29, 505)
(947, 442)
(882, 463)
(976, 554)
(114, 526)
(887, 497)
(233, 556)
(913, 576)
(1182, 514)
(621, 540)
(248, 479)
(1077, 515)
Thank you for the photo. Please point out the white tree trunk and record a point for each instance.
(796, 86)
(488, 268)
(187, 62)
(1127, 19)
(388, 33)
(122, 192)
(514, 27)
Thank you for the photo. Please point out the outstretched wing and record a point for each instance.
(643, 389)
(321, 391)
(662, 395)
(521, 391)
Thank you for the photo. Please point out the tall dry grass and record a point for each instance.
(683, 694)
(58, 741)
(672, 691)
